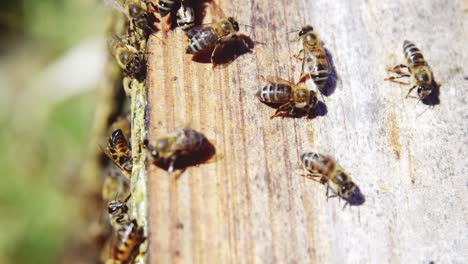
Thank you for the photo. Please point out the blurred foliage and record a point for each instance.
(39, 163)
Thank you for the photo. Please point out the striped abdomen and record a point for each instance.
(275, 94)
(318, 163)
(119, 147)
(317, 65)
(118, 214)
(201, 40)
(412, 54)
(166, 6)
(128, 239)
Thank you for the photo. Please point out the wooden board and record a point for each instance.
(251, 205)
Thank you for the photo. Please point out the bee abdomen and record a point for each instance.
(412, 54)
(165, 6)
(201, 40)
(316, 162)
(319, 68)
(275, 93)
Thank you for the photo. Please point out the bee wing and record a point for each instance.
(278, 80)
(115, 4)
(109, 155)
(217, 11)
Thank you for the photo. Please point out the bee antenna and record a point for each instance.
(128, 197)
(423, 111)
(244, 25)
(292, 31)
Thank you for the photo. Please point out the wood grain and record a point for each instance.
(251, 205)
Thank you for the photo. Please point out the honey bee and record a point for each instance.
(129, 238)
(118, 213)
(137, 12)
(314, 58)
(212, 35)
(167, 6)
(185, 17)
(328, 172)
(418, 68)
(179, 144)
(291, 97)
(118, 150)
(131, 60)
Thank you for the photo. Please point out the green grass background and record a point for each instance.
(37, 163)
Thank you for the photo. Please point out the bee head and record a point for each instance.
(305, 29)
(134, 10)
(424, 91)
(234, 23)
(124, 56)
(114, 206)
(352, 194)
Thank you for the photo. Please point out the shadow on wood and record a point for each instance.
(319, 110)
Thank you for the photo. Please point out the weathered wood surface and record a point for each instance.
(252, 206)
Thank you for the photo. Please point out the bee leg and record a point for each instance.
(410, 90)
(127, 85)
(327, 193)
(213, 53)
(398, 68)
(298, 55)
(313, 176)
(394, 78)
(345, 205)
(280, 111)
(172, 161)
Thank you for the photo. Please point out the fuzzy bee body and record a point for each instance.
(118, 213)
(180, 143)
(324, 169)
(418, 69)
(211, 36)
(314, 58)
(131, 60)
(129, 237)
(118, 150)
(291, 97)
(203, 39)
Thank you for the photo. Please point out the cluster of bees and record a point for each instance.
(290, 100)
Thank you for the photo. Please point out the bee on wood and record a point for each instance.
(118, 150)
(129, 238)
(185, 17)
(137, 12)
(290, 96)
(118, 213)
(418, 69)
(131, 60)
(167, 6)
(213, 35)
(313, 57)
(328, 172)
(177, 145)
